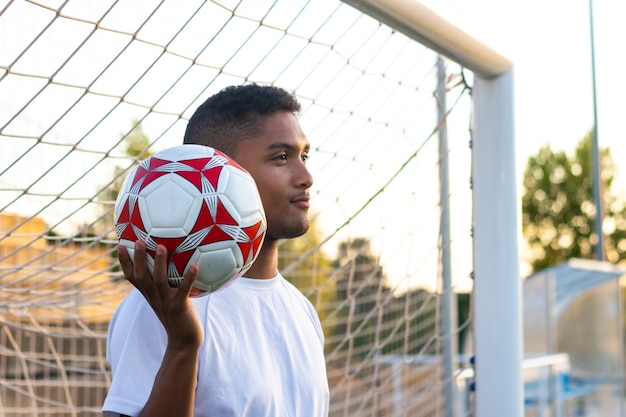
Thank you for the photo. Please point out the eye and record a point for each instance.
(305, 157)
(280, 157)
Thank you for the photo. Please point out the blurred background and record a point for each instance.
(89, 89)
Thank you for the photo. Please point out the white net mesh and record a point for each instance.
(89, 88)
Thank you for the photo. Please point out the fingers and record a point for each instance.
(125, 261)
(132, 271)
(184, 289)
(137, 273)
(129, 266)
(140, 271)
(171, 305)
(160, 268)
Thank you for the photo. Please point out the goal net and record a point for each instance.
(88, 89)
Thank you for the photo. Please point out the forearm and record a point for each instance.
(173, 390)
(174, 387)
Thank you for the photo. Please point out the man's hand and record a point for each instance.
(173, 392)
(171, 305)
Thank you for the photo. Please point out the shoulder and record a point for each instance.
(294, 292)
(303, 302)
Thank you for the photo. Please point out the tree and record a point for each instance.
(361, 296)
(558, 210)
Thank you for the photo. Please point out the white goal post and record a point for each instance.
(497, 287)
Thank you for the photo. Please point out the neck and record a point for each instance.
(266, 264)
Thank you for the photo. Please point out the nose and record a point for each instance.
(304, 177)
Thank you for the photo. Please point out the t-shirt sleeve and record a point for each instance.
(315, 319)
(136, 344)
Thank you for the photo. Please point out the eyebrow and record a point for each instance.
(287, 146)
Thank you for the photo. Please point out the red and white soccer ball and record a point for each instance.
(202, 206)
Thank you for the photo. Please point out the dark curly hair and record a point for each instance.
(235, 113)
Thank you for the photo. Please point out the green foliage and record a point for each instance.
(137, 142)
(371, 320)
(359, 281)
(307, 267)
(558, 210)
(136, 146)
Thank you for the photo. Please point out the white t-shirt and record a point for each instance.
(262, 353)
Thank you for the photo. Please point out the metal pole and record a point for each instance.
(497, 283)
(595, 162)
(448, 310)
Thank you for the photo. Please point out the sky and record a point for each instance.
(549, 44)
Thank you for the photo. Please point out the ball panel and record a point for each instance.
(192, 182)
(200, 178)
(225, 246)
(130, 223)
(231, 214)
(181, 152)
(167, 205)
(122, 195)
(239, 192)
(149, 171)
(216, 268)
(224, 215)
(251, 240)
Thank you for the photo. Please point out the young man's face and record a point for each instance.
(277, 161)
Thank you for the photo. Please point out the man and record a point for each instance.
(254, 348)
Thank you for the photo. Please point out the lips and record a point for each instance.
(301, 201)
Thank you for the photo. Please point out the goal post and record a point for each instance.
(428, 28)
(497, 286)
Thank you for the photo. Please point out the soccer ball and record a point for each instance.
(202, 206)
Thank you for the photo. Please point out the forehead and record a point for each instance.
(278, 131)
